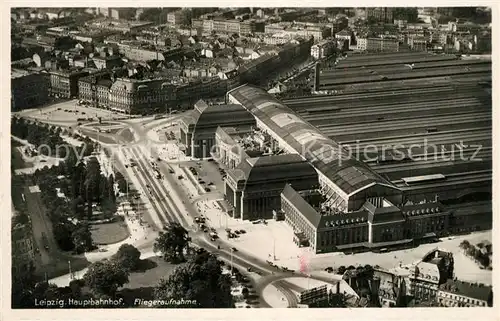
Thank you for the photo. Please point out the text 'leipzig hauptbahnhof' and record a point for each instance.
(281, 166)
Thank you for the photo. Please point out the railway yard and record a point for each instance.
(436, 123)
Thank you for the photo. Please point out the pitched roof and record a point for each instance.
(474, 291)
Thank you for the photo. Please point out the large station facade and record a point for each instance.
(333, 201)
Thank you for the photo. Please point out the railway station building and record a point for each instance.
(359, 209)
(254, 187)
(199, 128)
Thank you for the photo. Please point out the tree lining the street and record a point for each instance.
(200, 282)
(172, 242)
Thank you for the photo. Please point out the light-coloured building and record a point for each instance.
(377, 44)
(174, 18)
(322, 49)
(230, 150)
(424, 281)
(131, 95)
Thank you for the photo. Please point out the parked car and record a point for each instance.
(235, 249)
(180, 177)
(236, 232)
(243, 231)
(207, 189)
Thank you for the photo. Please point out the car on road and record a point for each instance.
(180, 177)
(59, 108)
(234, 249)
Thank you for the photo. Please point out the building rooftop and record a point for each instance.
(269, 172)
(326, 155)
(213, 116)
(471, 290)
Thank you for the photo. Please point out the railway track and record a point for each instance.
(407, 124)
(451, 180)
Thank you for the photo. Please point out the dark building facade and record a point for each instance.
(28, 90)
(199, 128)
(254, 187)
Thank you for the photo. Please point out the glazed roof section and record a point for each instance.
(325, 154)
(270, 172)
(213, 116)
(322, 221)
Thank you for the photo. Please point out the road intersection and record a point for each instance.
(168, 202)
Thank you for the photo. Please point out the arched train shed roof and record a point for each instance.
(346, 172)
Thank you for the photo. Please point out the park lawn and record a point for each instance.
(155, 269)
(109, 233)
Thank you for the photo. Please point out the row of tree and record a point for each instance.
(479, 253)
(39, 134)
(44, 134)
(83, 185)
(198, 281)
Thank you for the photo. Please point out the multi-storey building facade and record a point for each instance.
(377, 44)
(134, 96)
(380, 14)
(254, 187)
(455, 293)
(424, 281)
(28, 90)
(95, 89)
(64, 83)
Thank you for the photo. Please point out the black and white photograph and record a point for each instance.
(250, 157)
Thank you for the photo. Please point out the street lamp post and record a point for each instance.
(231, 262)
